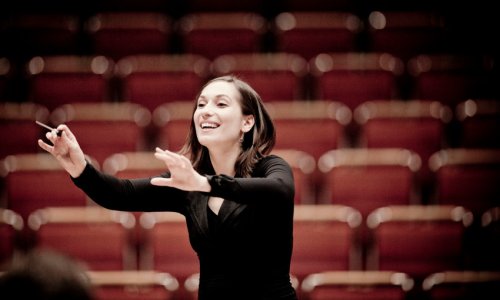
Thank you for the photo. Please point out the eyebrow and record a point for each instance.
(217, 97)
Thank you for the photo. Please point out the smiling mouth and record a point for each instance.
(209, 125)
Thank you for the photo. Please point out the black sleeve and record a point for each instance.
(128, 194)
(273, 179)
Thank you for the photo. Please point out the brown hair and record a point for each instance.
(256, 143)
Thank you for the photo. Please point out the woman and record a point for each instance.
(236, 197)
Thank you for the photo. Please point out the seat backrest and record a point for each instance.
(467, 284)
(339, 76)
(118, 34)
(172, 121)
(366, 179)
(230, 31)
(58, 80)
(354, 285)
(42, 33)
(406, 33)
(452, 78)
(479, 123)
(313, 32)
(467, 177)
(274, 76)
(486, 254)
(11, 224)
(135, 164)
(167, 247)
(310, 126)
(99, 238)
(151, 80)
(20, 118)
(105, 128)
(325, 238)
(40, 172)
(418, 239)
(139, 285)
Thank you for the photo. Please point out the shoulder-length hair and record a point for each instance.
(256, 143)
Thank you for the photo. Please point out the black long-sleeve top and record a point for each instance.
(245, 250)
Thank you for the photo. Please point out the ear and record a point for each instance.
(248, 122)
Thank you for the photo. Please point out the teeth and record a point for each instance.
(209, 125)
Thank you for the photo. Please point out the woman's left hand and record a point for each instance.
(182, 174)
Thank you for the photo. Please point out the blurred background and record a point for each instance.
(387, 111)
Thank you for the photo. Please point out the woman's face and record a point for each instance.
(218, 118)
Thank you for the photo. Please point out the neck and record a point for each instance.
(223, 161)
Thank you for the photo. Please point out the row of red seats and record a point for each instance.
(348, 77)
(414, 240)
(118, 33)
(314, 126)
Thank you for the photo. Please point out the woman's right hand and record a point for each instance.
(66, 150)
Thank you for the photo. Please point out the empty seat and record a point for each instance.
(97, 237)
(467, 177)
(354, 285)
(18, 129)
(33, 181)
(275, 76)
(406, 33)
(139, 285)
(6, 77)
(42, 33)
(167, 247)
(325, 238)
(173, 120)
(151, 80)
(11, 224)
(105, 128)
(57, 80)
(462, 285)
(135, 164)
(366, 179)
(418, 239)
(452, 78)
(313, 32)
(479, 123)
(118, 34)
(215, 33)
(417, 125)
(486, 254)
(354, 77)
(314, 126)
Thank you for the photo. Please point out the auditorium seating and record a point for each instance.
(56, 80)
(478, 123)
(216, 33)
(37, 180)
(116, 34)
(98, 238)
(138, 285)
(166, 246)
(355, 77)
(418, 239)
(313, 32)
(151, 80)
(465, 285)
(275, 76)
(11, 224)
(354, 285)
(467, 177)
(18, 129)
(326, 237)
(104, 128)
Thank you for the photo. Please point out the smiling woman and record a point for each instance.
(237, 198)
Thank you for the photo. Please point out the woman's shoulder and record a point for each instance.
(272, 160)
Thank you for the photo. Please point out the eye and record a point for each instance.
(222, 104)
